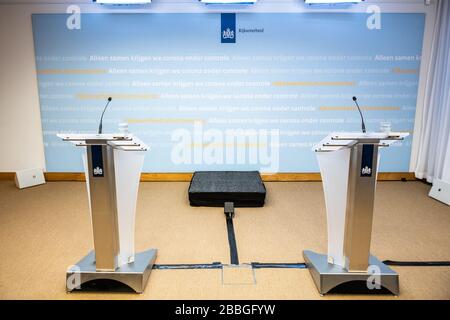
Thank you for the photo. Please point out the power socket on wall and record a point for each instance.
(440, 191)
(29, 178)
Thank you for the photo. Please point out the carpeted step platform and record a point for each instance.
(214, 188)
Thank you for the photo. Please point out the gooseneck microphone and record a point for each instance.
(363, 125)
(101, 119)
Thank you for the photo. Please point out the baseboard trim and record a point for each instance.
(185, 176)
(7, 175)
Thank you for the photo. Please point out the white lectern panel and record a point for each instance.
(127, 167)
(334, 167)
(112, 165)
(128, 163)
(86, 175)
(349, 164)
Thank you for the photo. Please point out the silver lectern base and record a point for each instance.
(130, 277)
(327, 276)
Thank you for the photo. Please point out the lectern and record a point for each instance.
(349, 165)
(113, 164)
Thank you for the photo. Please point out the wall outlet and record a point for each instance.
(440, 191)
(29, 178)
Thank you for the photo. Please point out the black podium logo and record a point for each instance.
(367, 160)
(97, 161)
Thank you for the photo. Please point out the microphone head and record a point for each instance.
(354, 98)
(109, 99)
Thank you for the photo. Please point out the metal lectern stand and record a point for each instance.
(113, 164)
(349, 166)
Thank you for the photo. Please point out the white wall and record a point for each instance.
(20, 122)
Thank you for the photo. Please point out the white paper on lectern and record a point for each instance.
(127, 168)
(334, 167)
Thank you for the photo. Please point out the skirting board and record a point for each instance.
(148, 177)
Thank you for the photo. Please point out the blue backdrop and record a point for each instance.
(183, 82)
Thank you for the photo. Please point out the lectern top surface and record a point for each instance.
(368, 135)
(338, 140)
(93, 136)
(124, 142)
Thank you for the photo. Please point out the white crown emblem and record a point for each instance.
(98, 171)
(228, 34)
(366, 170)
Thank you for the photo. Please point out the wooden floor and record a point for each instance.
(45, 229)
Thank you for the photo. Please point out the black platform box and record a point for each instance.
(214, 188)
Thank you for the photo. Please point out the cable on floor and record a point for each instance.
(417, 263)
(214, 265)
(277, 265)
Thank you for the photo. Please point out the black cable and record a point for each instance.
(229, 213)
(290, 265)
(258, 265)
(214, 265)
(417, 263)
(218, 265)
(234, 259)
